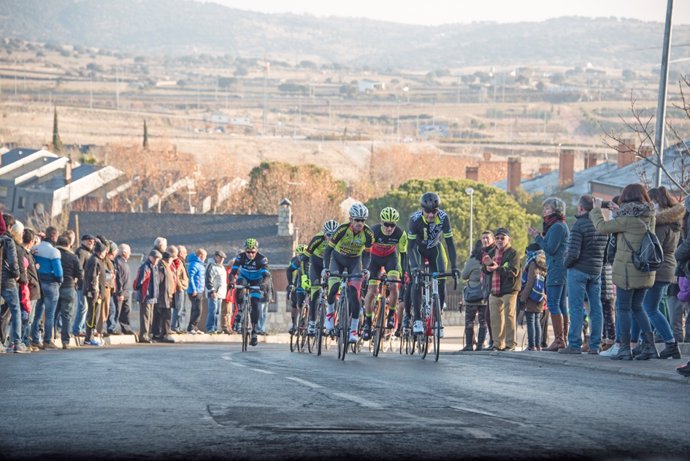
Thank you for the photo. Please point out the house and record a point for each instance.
(368, 86)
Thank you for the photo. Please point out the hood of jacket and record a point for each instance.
(193, 258)
(540, 261)
(636, 209)
(672, 216)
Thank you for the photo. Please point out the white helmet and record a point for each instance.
(330, 226)
(359, 211)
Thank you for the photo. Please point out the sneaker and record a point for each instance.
(353, 337)
(38, 346)
(292, 329)
(406, 322)
(684, 370)
(570, 351)
(418, 327)
(236, 327)
(254, 340)
(328, 324)
(66, 346)
(20, 348)
(311, 328)
(440, 333)
(93, 342)
(611, 351)
(390, 322)
(366, 329)
(50, 346)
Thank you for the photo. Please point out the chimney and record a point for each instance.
(472, 172)
(626, 152)
(566, 168)
(591, 160)
(285, 226)
(544, 168)
(68, 172)
(514, 174)
(487, 156)
(646, 151)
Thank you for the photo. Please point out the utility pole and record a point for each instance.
(663, 82)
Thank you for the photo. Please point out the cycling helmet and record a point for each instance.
(251, 244)
(430, 201)
(301, 248)
(330, 226)
(359, 211)
(390, 214)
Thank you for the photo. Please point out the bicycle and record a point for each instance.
(320, 340)
(380, 313)
(246, 314)
(344, 319)
(430, 311)
(298, 338)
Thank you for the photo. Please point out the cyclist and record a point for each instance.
(388, 252)
(315, 250)
(348, 249)
(296, 271)
(252, 267)
(426, 228)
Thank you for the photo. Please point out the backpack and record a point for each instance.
(538, 292)
(650, 255)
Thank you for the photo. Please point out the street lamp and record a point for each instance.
(469, 191)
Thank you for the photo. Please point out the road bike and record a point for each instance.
(430, 311)
(245, 315)
(380, 333)
(344, 320)
(320, 339)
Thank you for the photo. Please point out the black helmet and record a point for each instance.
(430, 201)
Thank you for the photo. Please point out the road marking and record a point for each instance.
(226, 357)
(478, 433)
(306, 383)
(470, 410)
(262, 371)
(238, 365)
(359, 400)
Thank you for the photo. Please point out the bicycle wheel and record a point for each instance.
(319, 326)
(293, 340)
(244, 327)
(311, 340)
(343, 326)
(436, 327)
(302, 326)
(299, 342)
(379, 332)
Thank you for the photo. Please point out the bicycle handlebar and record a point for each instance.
(251, 287)
(385, 279)
(436, 275)
(345, 276)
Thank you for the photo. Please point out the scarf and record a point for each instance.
(496, 278)
(550, 220)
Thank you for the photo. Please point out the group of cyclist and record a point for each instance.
(367, 253)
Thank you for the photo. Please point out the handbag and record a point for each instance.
(473, 294)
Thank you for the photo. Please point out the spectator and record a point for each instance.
(489, 248)
(216, 290)
(29, 240)
(505, 284)
(584, 259)
(197, 277)
(50, 275)
(146, 286)
(110, 321)
(83, 253)
(166, 292)
(634, 216)
(10, 292)
(121, 294)
(553, 240)
(475, 301)
(72, 274)
(94, 290)
(180, 303)
(531, 296)
(607, 296)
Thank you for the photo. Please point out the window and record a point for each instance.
(21, 203)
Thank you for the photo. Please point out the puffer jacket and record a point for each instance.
(668, 224)
(586, 247)
(607, 288)
(10, 261)
(554, 245)
(629, 224)
(535, 266)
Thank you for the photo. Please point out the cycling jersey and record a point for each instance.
(317, 245)
(385, 245)
(347, 243)
(250, 269)
(428, 234)
(299, 267)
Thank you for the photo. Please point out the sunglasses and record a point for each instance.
(429, 211)
(359, 220)
(250, 251)
(501, 237)
(389, 224)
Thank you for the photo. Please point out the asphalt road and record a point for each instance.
(213, 401)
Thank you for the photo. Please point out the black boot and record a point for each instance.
(648, 348)
(637, 349)
(671, 350)
(481, 336)
(624, 352)
(469, 339)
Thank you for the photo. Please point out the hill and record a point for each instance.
(182, 27)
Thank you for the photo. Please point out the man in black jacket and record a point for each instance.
(94, 290)
(121, 294)
(584, 259)
(83, 253)
(72, 274)
(10, 292)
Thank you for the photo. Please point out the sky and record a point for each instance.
(435, 12)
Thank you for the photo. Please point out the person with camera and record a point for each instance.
(475, 300)
(632, 220)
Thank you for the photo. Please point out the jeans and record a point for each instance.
(650, 304)
(113, 315)
(47, 304)
(679, 310)
(533, 321)
(629, 304)
(581, 284)
(213, 312)
(179, 310)
(26, 325)
(79, 324)
(11, 296)
(556, 299)
(263, 312)
(66, 302)
(196, 312)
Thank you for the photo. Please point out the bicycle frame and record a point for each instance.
(430, 310)
(245, 316)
